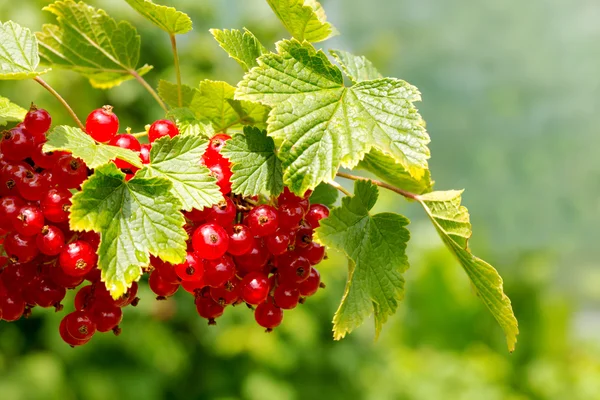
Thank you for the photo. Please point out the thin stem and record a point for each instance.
(148, 88)
(177, 69)
(401, 192)
(60, 99)
(140, 134)
(340, 188)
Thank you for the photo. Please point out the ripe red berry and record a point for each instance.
(268, 316)
(47, 293)
(192, 269)
(160, 286)
(210, 241)
(84, 298)
(314, 253)
(37, 121)
(70, 172)
(77, 258)
(33, 186)
(295, 271)
(213, 153)
(102, 124)
(217, 272)
(278, 242)
(227, 294)
(145, 153)
(12, 306)
(9, 209)
(66, 336)
(316, 213)
(107, 317)
(20, 248)
(79, 324)
(160, 128)
(55, 205)
(165, 270)
(207, 308)
(192, 286)
(290, 215)
(50, 240)
(222, 172)
(286, 296)
(240, 240)
(223, 213)
(58, 276)
(45, 160)
(29, 221)
(254, 288)
(263, 220)
(304, 235)
(17, 144)
(254, 260)
(129, 142)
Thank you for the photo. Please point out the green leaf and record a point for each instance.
(394, 173)
(166, 18)
(451, 220)
(376, 248)
(82, 146)
(324, 194)
(134, 219)
(215, 104)
(88, 41)
(255, 166)
(304, 19)
(243, 47)
(188, 124)
(168, 92)
(10, 112)
(320, 125)
(178, 160)
(357, 68)
(19, 56)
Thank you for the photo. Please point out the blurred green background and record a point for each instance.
(511, 95)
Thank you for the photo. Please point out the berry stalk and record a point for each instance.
(49, 88)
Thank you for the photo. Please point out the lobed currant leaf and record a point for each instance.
(376, 248)
(169, 93)
(166, 18)
(188, 124)
(357, 68)
(394, 173)
(320, 125)
(215, 104)
(135, 219)
(90, 42)
(178, 161)
(243, 47)
(324, 194)
(82, 146)
(304, 19)
(19, 56)
(254, 163)
(10, 112)
(451, 220)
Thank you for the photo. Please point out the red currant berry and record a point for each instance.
(278, 242)
(304, 235)
(192, 269)
(12, 306)
(227, 294)
(9, 210)
(17, 144)
(254, 260)
(192, 286)
(145, 153)
(29, 221)
(268, 316)
(286, 296)
(84, 299)
(46, 160)
(129, 142)
(254, 288)
(102, 124)
(290, 215)
(223, 213)
(208, 309)
(288, 197)
(77, 258)
(50, 240)
(20, 248)
(107, 317)
(222, 172)
(198, 215)
(161, 128)
(47, 293)
(160, 286)
(217, 272)
(11, 175)
(213, 153)
(210, 241)
(310, 286)
(165, 270)
(79, 324)
(314, 253)
(128, 298)
(66, 336)
(58, 276)
(263, 220)
(240, 240)
(316, 213)
(295, 272)
(70, 172)
(92, 238)
(56, 204)
(33, 186)
(17, 275)
(37, 121)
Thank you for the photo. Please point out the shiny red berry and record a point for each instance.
(263, 220)
(56, 204)
(70, 172)
(50, 240)
(17, 144)
(77, 258)
(217, 272)
(210, 241)
(29, 221)
(79, 324)
(286, 296)
(192, 269)
(208, 308)
(223, 213)
(161, 128)
(129, 142)
(106, 317)
(254, 260)
(213, 153)
(295, 271)
(254, 288)
(278, 242)
(145, 153)
(102, 124)
(310, 286)
(240, 240)
(268, 316)
(316, 213)
(37, 121)
(160, 286)
(21, 248)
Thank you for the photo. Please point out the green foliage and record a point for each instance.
(166, 18)
(10, 112)
(178, 160)
(188, 124)
(81, 145)
(357, 68)
(376, 248)
(254, 163)
(168, 92)
(451, 220)
(90, 42)
(321, 125)
(304, 19)
(324, 194)
(18, 53)
(243, 47)
(134, 218)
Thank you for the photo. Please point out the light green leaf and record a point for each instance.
(215, 104)
(19, 56)
(376, 248)
(188, 124)
(324, 194)
(357, 68)
(168, 92)
(304, 19)
(320, 125)
(178, 160)
(255, 166)
(166, 18)
(134, 219)
(88, 41)
(10, 112)
(82, 146)
(451, 220)
(243, 47)
(394, 173)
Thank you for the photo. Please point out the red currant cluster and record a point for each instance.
(239, 251)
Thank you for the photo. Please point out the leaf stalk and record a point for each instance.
(62, 101)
